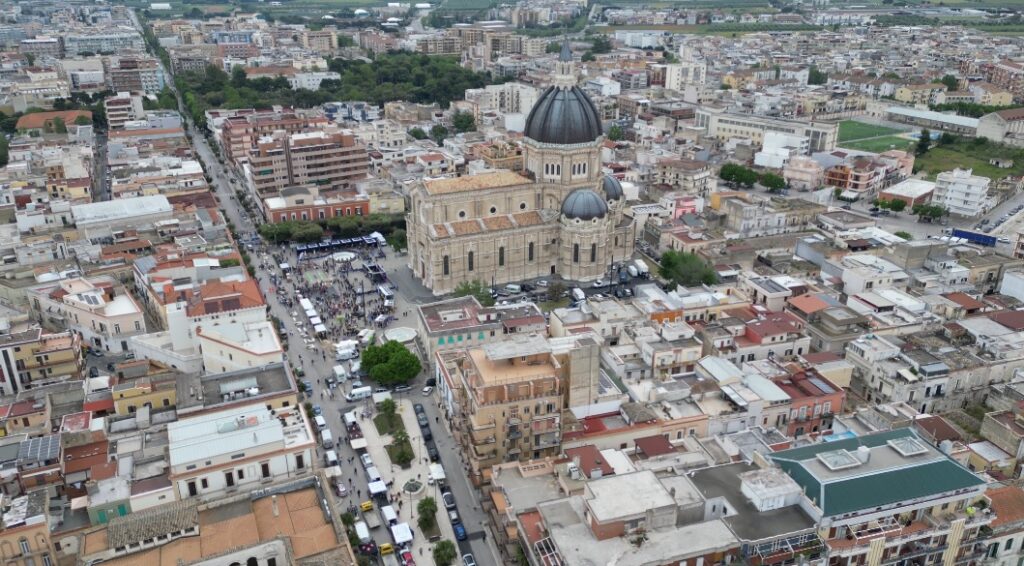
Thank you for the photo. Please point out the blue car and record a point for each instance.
(460, 531)
(316, 410)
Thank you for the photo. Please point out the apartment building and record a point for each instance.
(239, 133)
(920, 94)
(41, 47)
(31, 357)
(103, 42)
(768, 217)
(685, 175)
(237, 450)
(1006, 74)
(134, 74)
(890, 497)
(101, 311)
(123, 107)
(329, 158)
(505, 400)
(25, 536)
(720, 123)
(234, 347)
(962, 193)
(506, 98)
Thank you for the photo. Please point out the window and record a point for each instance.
(445, 266)
(593, 253)
(299, 463)
(138, 325)
(494, 209)
(23, 543)
(229, 478)
(46, 560)
(469, 261)
(575, 253)
(204, 484)
(501, 256)
(529, 252)
(241, 474)
(265, 469)
(1009, 544)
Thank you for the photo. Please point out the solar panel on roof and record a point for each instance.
(820, 384)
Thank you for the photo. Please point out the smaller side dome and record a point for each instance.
(584, 204)
(612, 188)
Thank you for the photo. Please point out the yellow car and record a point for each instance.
(366, 506)
(386, 548)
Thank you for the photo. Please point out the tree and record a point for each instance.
(308, 232)
(950, 81)
(404, 456)
(444, 553)
(390, 363)
(345, 40)
(555, 291)
(816, 77)
(947, 139)
(438, 133)
(923, 143)
(464, 122)
(418, 133)
(427, 509)
(774, 183)
(615, 133)
(59, 127)
(588, 56)
(686, 269)
(897, 205)
(600, 44)
(388, 410)
(398, 240)
(553, 47)
(837, 192)
(476, 289)
(904, 234)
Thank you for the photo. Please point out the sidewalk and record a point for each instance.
(419, 470)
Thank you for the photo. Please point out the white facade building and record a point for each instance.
(962, 193)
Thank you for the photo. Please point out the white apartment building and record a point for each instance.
(123, 107)
(381, 134)
(779, 148)
(720, 123)
(78, 43)
(690, 70)
(508, 98)
(311, 81)
(238, 450)
(962, 193)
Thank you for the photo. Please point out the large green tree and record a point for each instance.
(464, 122)
(686, 269)
(390, 363)
(444, 553)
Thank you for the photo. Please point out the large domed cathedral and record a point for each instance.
(564, 218)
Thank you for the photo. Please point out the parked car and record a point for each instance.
(422, 420)
(382, 390)
(430, 382)
(427, 391)
(401, 389)
(366, 460)
(448, 499)
(340, 489)
(600, 283)
(453, 516)
(317, 411)
(94, 371)
(418, 409)
(542, 283)
(460, 531)
(432, 453)
(468, 560)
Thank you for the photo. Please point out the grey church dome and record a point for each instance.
(563, 116)
(612, 188)
(584, 204)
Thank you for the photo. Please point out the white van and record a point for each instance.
(362, 532)
(347, 354)
(340, 373)
(326, 439)
(372, 474)
(320, 422)
(632, 270)
(578, 294)
(359, 393)
(330, 458)
(387, 513)
(366, 336)
(513, 288)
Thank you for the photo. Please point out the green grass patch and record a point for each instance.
(971, 155)
(388, 426)
(850, 130)
(395, 447)
(548, 306)
(711, 29)
(878, 145)
(466, 4)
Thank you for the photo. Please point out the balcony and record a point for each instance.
(550, 440)
(514, 434)
(485, 451)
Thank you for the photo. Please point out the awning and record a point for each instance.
(401, 533)
(849, 195)
(377, 487)
(358, 444)
(311, 313)
(320, 329)
(315, 320)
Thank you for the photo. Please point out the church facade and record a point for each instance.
(562, 218)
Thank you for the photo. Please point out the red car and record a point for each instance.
(407, 558)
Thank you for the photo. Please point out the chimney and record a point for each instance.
(273, 503)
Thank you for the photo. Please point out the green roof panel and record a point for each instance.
(890, 487)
